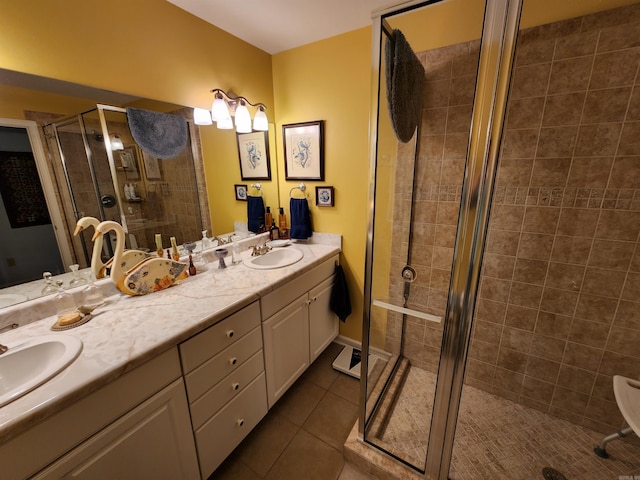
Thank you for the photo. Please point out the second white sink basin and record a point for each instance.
(276, 258)
(31, 363)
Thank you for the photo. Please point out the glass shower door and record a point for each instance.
(418, 188)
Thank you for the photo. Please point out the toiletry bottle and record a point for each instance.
(282, 224)
(235, 251)
(205, 241)
(274, 231)
(192, 267)
(268, 217)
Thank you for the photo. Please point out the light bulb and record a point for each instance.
(260, 121)
(219, 109)
(225, 124)
(116, 143)
(202, 116)
(243, 119)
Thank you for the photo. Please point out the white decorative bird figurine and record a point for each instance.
(149, 275)
(98, 268)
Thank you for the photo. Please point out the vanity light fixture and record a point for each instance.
(202, 116)
(116, 143)
(225, 105)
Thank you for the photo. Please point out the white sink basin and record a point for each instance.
(276, 258)
(29, 364)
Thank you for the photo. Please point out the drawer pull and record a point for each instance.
(240, 422)
(308, 302)
(230, 333)
(236, 386)
(233, 361)
(314, 299)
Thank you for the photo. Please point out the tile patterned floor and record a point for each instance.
(302, 436)
(500, 439)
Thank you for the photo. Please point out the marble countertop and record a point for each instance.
(128, 331)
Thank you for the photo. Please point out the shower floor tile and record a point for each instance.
(500, 439)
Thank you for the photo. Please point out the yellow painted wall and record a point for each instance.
(148, 48)
(329, 80)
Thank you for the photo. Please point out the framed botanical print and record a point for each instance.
(253, 153)
(304, 150)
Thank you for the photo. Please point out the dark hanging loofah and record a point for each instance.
(405, 86)
(159, 134)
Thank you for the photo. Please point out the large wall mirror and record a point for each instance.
(70, 167)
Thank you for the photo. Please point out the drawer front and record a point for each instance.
(221, 434)
(229, 360)
(202, 347)
(228, 388)
(284, 295)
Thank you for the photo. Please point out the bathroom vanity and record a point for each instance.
(168, 384)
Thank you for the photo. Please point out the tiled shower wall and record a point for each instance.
(558, 312)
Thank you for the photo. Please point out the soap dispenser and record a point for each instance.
(274, 231)
(282, 224)
(268, 217)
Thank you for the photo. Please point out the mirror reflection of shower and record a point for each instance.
(147, 195)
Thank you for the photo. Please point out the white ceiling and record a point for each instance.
(277, 25)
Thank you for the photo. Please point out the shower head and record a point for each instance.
(97, 136)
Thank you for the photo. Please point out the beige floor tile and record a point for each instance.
(346, 387)
(307, 458)
(233, 469)
(299, 401)
(265, 444)
(321, 372)
(351, 472)
(332, 420)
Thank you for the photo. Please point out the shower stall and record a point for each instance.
(101, 172)
(503, 268)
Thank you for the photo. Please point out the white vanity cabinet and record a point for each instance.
(225, 381)
(135, 427)
(297, 326)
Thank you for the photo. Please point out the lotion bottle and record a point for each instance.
(282, 223)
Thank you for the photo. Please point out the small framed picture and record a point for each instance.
(253, 153)
(241, 192)
(324, 196)
(304, 150)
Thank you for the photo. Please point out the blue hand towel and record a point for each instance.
(255, 213)
(300, 219)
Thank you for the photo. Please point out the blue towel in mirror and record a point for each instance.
(300, 219)
(255, 213)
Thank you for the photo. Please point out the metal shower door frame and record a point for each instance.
(497, 49)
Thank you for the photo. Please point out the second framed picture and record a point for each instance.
(304, 150)
(253, 152)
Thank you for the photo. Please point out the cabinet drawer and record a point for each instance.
(229, 387)
(219, 436)
(211, 372)
(284, 295)
(203, 346)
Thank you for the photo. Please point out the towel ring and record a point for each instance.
(258, 187)
(302, 187)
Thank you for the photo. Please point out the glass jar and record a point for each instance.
(91, 294)
(49, 287)
(63, 300)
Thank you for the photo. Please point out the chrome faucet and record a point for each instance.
(222, 240)
(258, 250)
